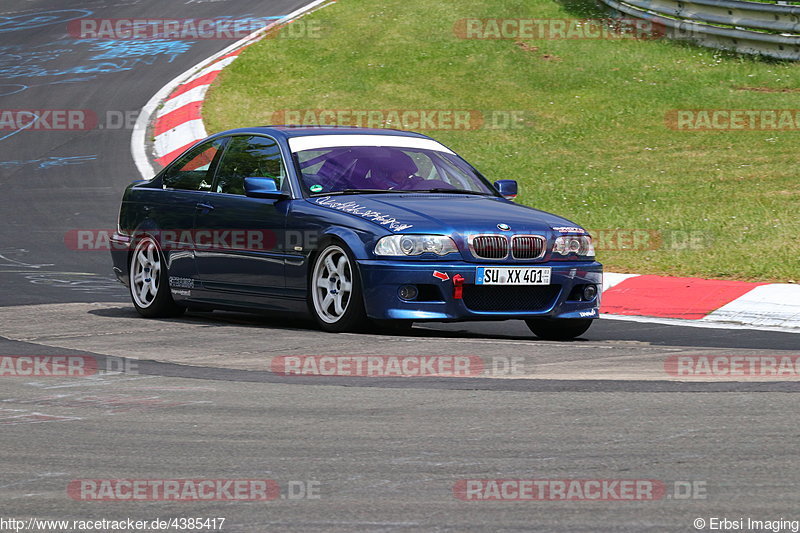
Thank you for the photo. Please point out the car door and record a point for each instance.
(185, 184)
(239, 239)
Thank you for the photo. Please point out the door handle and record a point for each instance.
(204, 206)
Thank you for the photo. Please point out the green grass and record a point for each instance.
(594, 146)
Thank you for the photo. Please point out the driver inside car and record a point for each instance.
(394, 170)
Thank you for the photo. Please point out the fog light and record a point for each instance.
(589, 292)
(407, 292)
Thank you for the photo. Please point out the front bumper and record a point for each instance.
(383, 279)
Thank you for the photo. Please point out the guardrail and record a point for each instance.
(771, 30)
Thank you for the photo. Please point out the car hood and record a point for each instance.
(445, 213)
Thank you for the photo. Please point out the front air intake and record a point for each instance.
(490, 246)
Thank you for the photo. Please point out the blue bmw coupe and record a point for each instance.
(350, 225)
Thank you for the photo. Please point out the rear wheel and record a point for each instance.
(148, 283)
(559, 329)
(335, 297)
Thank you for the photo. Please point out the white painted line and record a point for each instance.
(179, 136)
(219, 65)
(194, 95)
(695, 323)
(775, 305)
(612, 278)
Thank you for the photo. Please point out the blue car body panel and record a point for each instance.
(277, 278)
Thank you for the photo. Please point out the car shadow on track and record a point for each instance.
(604, 330)
(459, 330)
(501, 331)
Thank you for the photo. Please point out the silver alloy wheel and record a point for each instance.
(332, 284)
(145, 272)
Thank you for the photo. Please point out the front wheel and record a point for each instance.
(148, 281)
(558, 329)
(335, 297)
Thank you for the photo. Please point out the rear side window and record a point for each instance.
(194, 171)
(248, 157)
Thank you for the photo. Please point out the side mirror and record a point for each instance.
(262, 188)
(506, 188)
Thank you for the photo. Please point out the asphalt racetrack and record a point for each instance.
(198, 398)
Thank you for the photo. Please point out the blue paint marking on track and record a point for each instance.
(42, 18)
(139, 49)
(49, 162)
(7, 89)
(23, 128)
(112, 56)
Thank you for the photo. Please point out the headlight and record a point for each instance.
(415, 245)
(574, 244)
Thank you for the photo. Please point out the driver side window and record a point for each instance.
(193, 171)
(250, 156)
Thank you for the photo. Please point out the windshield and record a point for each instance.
(347, 169)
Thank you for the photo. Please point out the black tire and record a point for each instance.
(559, 329)
(353, 317)
(147, 304)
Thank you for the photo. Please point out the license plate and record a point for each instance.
(513, 276)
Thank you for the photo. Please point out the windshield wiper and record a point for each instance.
(454, 191)
(356, 191)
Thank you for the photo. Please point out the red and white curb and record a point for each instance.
(178, 123)
(702, 302)
(642, 298)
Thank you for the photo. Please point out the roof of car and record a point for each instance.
(287, 131)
